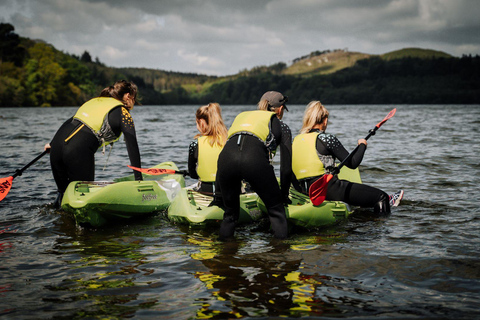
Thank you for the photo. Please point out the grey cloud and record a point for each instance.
(224, 36)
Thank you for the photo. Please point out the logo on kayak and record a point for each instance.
(149, 197)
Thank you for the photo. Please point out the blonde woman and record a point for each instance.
(314, 153)
(206, 146)
(252, 138)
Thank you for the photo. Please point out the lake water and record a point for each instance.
(423, 262)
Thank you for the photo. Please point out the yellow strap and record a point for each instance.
(74, 133)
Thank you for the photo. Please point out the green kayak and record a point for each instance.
(304, 214)
(192, 208)
(99, 203)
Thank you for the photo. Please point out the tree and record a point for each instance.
(43, 75)
(86, 57)
(9, 45)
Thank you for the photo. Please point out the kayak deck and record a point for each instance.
(100, 203)
(193, 208)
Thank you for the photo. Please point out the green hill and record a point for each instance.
(415, 53)
(324, 63)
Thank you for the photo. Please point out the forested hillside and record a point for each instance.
(34, 73)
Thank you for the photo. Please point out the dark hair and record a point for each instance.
(119, 89)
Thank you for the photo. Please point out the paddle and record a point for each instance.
(159, 171)
(6, 183)
(318, 190)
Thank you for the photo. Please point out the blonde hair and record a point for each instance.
(216, 131)
(315, 113)
(264, 105)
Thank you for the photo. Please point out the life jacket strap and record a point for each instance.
(74, 133)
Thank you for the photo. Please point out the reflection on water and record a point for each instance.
(259, 278)
(422, 262)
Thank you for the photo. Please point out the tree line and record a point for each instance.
(369, 81)
(34, 73)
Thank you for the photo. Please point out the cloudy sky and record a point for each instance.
(222, 37)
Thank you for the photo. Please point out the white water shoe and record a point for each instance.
(395, 198)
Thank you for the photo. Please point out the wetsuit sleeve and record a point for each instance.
(329, 144)
(193, 159)
(121, 121)
(283, 136)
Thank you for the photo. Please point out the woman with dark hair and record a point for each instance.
(98, 122)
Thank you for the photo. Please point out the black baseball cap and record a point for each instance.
(275, 99)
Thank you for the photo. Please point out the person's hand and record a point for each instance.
(360, 141)
(47, 148)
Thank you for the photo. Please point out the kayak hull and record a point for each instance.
(302, 213)
(192, 208)
(101, 203)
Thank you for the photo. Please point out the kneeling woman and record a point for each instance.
(98, 122)
(314, 154)
(206, 146)
(252, 139)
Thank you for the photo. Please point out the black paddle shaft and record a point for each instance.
(19, 172)
(370, 133)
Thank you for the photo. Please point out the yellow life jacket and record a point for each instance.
(94, 114)
(207, 159)
(305, 160)
(255, 122)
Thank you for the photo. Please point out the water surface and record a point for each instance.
(421, 263)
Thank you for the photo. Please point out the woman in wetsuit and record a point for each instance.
(206, 146)
(314, 153)
(98, 122)
(252, 139)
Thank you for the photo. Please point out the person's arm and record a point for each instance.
(285, 143)
(193, 159)
(121, 118)
(334, 147)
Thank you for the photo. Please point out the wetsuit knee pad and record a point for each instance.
(382, 207)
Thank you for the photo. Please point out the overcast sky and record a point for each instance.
(222, 37)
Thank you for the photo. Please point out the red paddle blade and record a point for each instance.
(153, 171)
(389, 115)
(318, 190)
(5, 186)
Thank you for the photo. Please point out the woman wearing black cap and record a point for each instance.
(252, 141)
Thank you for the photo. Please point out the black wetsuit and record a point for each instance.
(355, 194)
(75, 160)
(247, 159)
(193, 159)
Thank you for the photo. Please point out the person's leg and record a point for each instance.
(60, 175)
(231, 203)
(228, 181)
(262, 179)
(361, 195)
